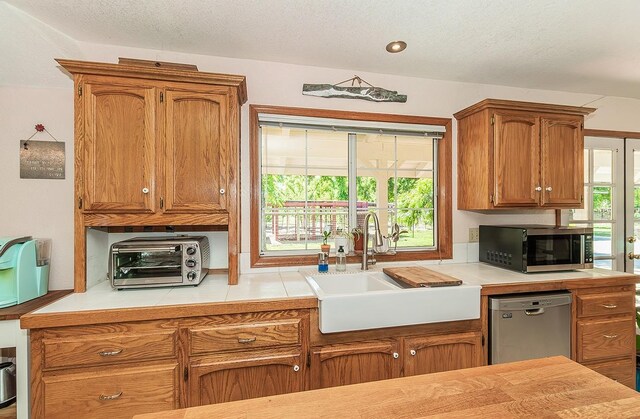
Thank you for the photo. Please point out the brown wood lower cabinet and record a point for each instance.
(244, 375)
(111, 393)
(428, 354)
(359, 362)
(605, 331)
(353, 363)
(605, 338)
(121, 369)
(621, 370)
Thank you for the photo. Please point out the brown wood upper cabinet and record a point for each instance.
(519, 154)
(152, 148)
(196, 148)
(120, 130)
(156, 144)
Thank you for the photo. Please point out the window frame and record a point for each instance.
(444, 245)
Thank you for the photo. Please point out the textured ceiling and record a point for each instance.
(588, 46)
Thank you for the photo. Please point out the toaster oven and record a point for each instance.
(158, 261)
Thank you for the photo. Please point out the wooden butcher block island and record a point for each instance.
(550, 387)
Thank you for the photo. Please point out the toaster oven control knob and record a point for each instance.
(191, 276)
(191, 263)
(191, 250)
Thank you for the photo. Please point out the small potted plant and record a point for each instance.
(358, 239)
(325, 246)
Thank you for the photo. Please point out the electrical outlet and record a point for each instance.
(474, 235)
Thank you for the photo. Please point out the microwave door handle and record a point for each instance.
(147, 249)
(582, 241)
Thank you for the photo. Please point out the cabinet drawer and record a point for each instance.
(244, 336)
(601, 339)
(111, 393)
(622, 371)
(605, 304)
(92, 350)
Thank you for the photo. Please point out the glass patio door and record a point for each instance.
(632, 206)
(604, 199)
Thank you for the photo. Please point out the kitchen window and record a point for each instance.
(315, 171)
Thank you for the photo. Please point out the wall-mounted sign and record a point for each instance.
(41, 160)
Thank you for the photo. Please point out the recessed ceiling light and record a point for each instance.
(396, 46)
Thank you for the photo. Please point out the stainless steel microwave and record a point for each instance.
(158, 261)
(537, 248)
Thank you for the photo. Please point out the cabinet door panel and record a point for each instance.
(119, 143)
(245, 376)
(353, 363)
(196, 151)
(562, 163)
(424, 355)
(516, 160)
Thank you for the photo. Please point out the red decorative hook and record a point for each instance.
(39, 127)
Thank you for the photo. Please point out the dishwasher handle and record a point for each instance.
(534, 311)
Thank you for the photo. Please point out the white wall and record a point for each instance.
(38, 207)
(44, 208)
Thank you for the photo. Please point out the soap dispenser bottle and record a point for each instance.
(341, 260)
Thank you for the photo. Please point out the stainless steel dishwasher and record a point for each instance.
(529, 326)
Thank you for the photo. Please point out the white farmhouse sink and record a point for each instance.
(372, 300)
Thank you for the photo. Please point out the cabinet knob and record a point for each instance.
(145, 190)
(222, 191)
(548, 189)
(538, 188)
(396, 355)
(296, 368)
(412, 352)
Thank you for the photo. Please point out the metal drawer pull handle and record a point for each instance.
(110, 353)
(296, 368)
(246, 340)
(412, 352)
(610, 336)
(609, 305)
(112, 397)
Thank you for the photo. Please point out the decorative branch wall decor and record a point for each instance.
(368, 92)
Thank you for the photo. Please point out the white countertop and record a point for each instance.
(483, 274)
(213, 289)
(280, 285)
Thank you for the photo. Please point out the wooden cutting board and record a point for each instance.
(417, 276)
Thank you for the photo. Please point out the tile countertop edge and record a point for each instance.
(492, 279)
(115, 315)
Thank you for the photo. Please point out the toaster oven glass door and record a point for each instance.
(148, 266)
(554, 249)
